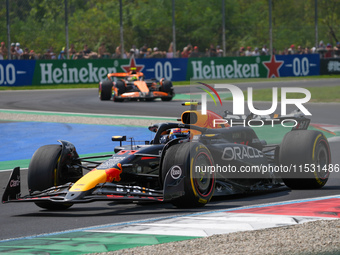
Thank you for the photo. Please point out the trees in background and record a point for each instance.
(39, 24)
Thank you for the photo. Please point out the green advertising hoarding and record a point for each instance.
(75, 71)
(224, 68)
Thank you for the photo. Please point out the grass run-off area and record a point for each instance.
(318, 94)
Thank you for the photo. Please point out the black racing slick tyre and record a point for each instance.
(307, 157)
(199, 184)
(42, 174)
(167, 88)
(105, 90)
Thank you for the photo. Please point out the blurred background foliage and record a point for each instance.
(39, 24)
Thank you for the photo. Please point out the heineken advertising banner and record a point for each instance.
(48, 72)
(72, 71)
(293, 65)
(16, 72)
(254, 67)
(330, 66)
(95, 70)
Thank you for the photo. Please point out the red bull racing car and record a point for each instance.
(132, 86)
(185, 163)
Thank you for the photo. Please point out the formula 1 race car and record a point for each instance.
(131, 85)
(185, 164)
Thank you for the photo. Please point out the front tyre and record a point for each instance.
(308, 152)
(194, 160)
(43, 174)
(105, 90)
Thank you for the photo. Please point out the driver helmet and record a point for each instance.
(179, 133)
(133, 70)
(132, 78)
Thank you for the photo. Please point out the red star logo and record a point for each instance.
(127, 68)
(273, 66)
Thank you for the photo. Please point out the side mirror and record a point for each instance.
(119, 138)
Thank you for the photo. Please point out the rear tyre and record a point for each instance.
(121, 89)
(105, 90)
(166, 98)
(167, 88)
(308, 152)
(199, 184)
(43, 174)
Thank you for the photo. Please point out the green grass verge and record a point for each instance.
(233, 81)
(319, 94)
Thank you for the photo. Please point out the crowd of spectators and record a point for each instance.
(189, 51)
(327, 51)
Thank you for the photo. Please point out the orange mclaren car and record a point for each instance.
(131, 85)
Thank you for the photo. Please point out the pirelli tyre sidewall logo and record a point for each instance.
(175, 172)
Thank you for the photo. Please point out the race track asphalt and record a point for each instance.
(18, 219)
